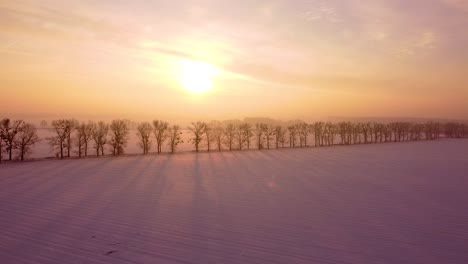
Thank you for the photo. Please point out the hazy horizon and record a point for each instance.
(204, 60)
(37, 118)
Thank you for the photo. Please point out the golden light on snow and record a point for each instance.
(196, 76)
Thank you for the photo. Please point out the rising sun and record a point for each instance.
(196, 76)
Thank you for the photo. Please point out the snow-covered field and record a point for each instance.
(386, 203)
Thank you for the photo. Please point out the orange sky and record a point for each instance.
(283, 59)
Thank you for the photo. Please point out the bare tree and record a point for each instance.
(379, 131)
(160, 133)
(84, 133)
(432, 130)
(229, 136)
(79, 141)
(280, 136)
(71, 124)
(342, 131)
(303, 129)
(239, 137)
(428, 130)
(198, 130)
(144, 131)
(26, 138)
(388, 133)
(174, 134)
(416, 131)
(63, 128)
(292, 135)
(347, 132)
(436, 130)
(374, 132)
(455, 130)
(463, 130)
(366, 132)
(43, 124)
(269, 134)
(394, 130)
(99, 135)
(2, 136)
(357, 132)
(216, 134)
(9, 130)
(208, 136)
(329, 132)
(318, 131)
(119, 136)
(400, 130)
(259, 132)
(247, 134)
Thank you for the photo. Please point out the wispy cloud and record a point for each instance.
(418, 44)
(460, 5)
(320, 10)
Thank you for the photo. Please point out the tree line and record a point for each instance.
(83, 138)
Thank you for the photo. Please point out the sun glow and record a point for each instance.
(196, 76)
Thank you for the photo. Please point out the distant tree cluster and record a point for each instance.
(74, 137)
(456, 130)
(115, 135)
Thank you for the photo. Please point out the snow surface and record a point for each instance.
(386, 203)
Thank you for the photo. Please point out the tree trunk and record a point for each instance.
(22, 153)
(68, 147)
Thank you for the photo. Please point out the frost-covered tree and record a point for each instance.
(328, 134)
(318, 133)
(303, 131)
(83, 136)
(208, 136)
(292, 135)
(144, 131)
(160, 129)
(119, 136)
(25, 139)
(259, 133)
(99, 135)
(280, 136)
(175, 137)
(229, 136)
(269, 131)
(247, 134)
(1, 142)
(8, 131)
(63, 129)
(198, 130)
(216, 134)
(239, 138)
